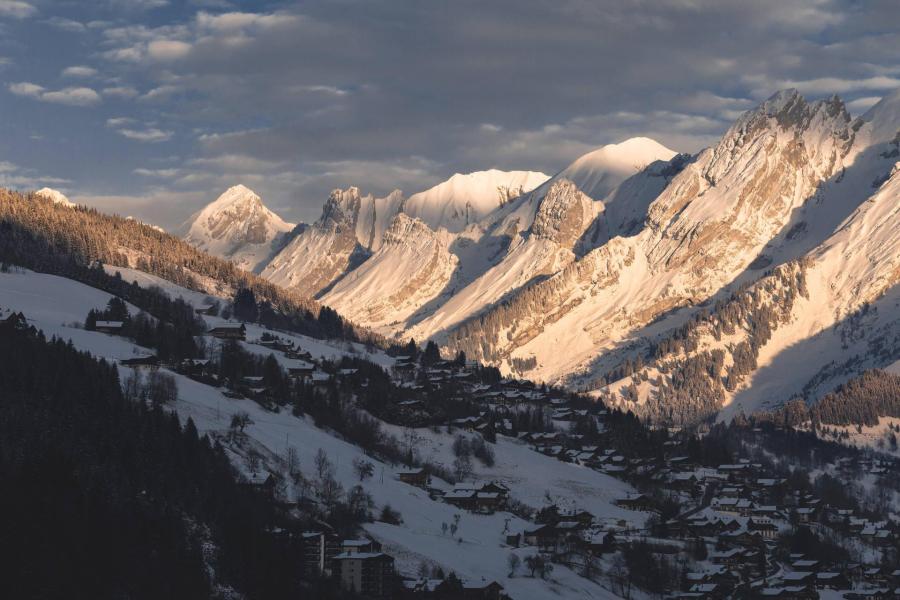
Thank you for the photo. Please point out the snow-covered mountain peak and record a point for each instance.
(238, 226)
(884, 118)
(468, 198)
(598, 172)
(55, 196)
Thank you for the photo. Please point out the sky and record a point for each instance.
(152, 108)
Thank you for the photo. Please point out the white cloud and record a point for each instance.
(69, 25)
(233, 22)
(27, 89)
(71, 96)
(16, 177)
(160, 93)
(119, 121)
(166, 173)
(16, 9)
(151, 134)
(120, 92)
(166, 50)
(79, 71)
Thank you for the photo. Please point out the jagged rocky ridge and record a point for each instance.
(593, 269)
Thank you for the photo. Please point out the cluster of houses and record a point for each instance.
(362, 567)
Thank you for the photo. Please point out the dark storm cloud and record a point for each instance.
(294, 99)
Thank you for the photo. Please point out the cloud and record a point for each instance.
(120, 92)
(166, 50)
(71, 96)
(27, 89)
(17, 177)
(79, 71)
(301, 97)
(119, 121)
(127, 127)
(16, 9)
(65, 24)
(151, 134)
(166, 173)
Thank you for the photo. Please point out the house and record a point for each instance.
(264, 483)
(640, 502)
(763, 526)
(546, 538)
(229, 332)
(360, 545)
(443, 589)
(110, 327)
(206, 309)
(14, 321)
(140, 361)
(197, 367)
(367, 573)
(301, 369)
(832, 580)
(416, 477)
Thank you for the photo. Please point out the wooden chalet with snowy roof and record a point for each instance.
(229, 332)
(110, 327)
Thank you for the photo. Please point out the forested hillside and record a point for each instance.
(860, 401)
(115, 499)
(48, 237)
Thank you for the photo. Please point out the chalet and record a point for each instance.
(832, 580)
(763, 526)
(583, 517)
(416, 477)
(640, 502)
(442, 589)
(799, 578)
(206, 309)
(263, 483)
(474, 590)
(197, 367)
(367, 573)
(707, 591)
(301, 369)
(360, 545)
(151, 361)
(111, 327)
(229, 332)
(487, 498)
(729, 558)
(461, 498)
(14, 321)
(806, 514)
(545, 538)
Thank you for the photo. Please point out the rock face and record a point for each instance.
(239, 227)
(675, 285)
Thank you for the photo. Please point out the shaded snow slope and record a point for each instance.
(477, 551)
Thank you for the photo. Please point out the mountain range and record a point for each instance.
(761, 268)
